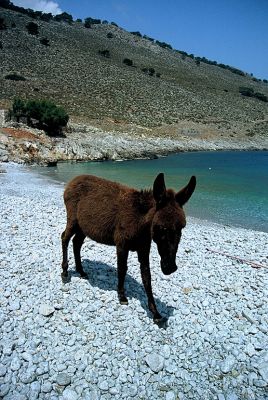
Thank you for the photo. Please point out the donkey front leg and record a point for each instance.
(122, 255)
(146, 279)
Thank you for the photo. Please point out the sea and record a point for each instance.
(232, 186)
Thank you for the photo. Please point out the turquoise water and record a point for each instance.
(232, 187)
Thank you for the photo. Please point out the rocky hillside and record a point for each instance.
(84, 71)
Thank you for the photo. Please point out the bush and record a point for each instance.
(46, 17)
(136, 34)
(64, 17)
(15, 77)
(249, 92)
(151, 71)
(261, 96)
(110, 35)
(104, 53)
(18, 109)
(91, 21)
(128, 62)
(32, 28)
(49, 117)
(45, 41)
(2, 24)
(245, 91)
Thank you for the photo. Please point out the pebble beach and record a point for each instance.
(75, 341)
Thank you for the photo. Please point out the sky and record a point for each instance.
(233, 32)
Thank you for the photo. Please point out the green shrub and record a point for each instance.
(261, 96)
(64, 17)
(2, 24)
(245, 91)
(15, 77)
(18, 109)
(105, 53)
(128, 62)
(136, 34)
(32, 28)
(91, 21)
(249, 92)
(45, 41)
(49, 117)
(46, 17)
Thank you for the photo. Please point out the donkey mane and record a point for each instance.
(143, 200)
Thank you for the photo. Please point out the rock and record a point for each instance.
(46, 310)
(155, 362)
(232, 396)
(27, 377)
(170, 396)
(15, 364)
(247, 314)
(263, 371)
(46, 387)
(69, 394)
(228, 364)
(3, 370)
(63, 379)
(103, 385)
(250, 350)
(4, 389)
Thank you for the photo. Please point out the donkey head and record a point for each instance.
(168, 221)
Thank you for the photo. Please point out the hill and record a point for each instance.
(111, 79)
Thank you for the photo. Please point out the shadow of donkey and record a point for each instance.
(104, 276)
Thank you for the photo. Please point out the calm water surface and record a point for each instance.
(232, 187)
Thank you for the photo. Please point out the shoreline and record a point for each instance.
(21, 144)
(75, 341)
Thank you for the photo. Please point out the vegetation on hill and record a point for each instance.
(42, 113)
(103, 72)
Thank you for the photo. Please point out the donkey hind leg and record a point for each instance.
(78, 240)
(65, 239)
(122, 255)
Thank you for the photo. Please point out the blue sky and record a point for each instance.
(234, 32)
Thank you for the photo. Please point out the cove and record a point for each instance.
(232, 186)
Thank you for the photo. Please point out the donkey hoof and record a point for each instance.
(82, 273)
(123, 300)
(65, 277)
(160, 321)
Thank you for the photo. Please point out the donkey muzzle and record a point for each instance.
(168, 268)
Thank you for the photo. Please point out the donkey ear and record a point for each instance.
(184, 194)
(159, 189)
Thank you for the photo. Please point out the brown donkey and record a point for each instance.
(117, 215)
